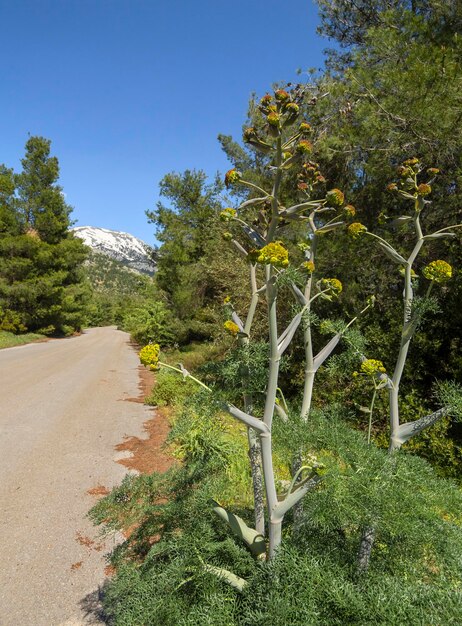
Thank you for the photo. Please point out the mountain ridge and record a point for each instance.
(125, 248)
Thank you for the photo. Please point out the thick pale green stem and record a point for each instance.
(308, 343)
(274, 202)
(257, 480)
(406, 337)
(271, 392)
(371, 410)
(253, 440)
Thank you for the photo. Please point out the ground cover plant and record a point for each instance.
(223, 538)
(9, 340)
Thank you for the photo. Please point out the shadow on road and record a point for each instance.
(92, 607)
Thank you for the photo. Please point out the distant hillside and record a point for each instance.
(109, 276)
(121, 247)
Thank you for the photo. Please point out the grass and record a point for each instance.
(9, 340)
(193, 355)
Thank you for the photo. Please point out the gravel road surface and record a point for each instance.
(64, 405)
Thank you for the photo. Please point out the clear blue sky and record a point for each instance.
(128, 90)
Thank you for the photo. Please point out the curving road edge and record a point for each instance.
(64, 405)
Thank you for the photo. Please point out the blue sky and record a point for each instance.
(128, 90)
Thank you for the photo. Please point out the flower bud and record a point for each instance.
(281, 95)
(305, 128)
(411, 162)
(333, 285)
(252, 255)
(248, 134)
(266, 100)
(349, 210)
(424, 189)
(273, 119)
(228, 214)
(292, 108)
(232, 177)
(227, 236)
(335, 198)
(304, 147)
(403, 171)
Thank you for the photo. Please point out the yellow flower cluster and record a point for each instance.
(335, 198)
(231, 327)
(372, 367)
(232, 177)
(292, 108)
(304, 147)
(438, 271)
(356, 229)
(273, 254)
(333, 284)
(273, 119)
(308, 266)
(149, 356)
(424, 189)
(228, 214)
(349, 210)
(281, 95)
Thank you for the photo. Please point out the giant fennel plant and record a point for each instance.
(259, 225)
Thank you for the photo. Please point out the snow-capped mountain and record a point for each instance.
(123, 247)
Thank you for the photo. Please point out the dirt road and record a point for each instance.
(64, 405)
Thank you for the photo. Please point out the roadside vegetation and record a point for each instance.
(304, 326)
(9, 340)
(316, 416)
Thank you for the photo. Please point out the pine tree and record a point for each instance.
(41, 285)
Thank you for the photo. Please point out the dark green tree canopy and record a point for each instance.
(41, 285)
(41, 199)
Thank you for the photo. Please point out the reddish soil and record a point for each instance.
(109, 570)
(148, 455)
(99, 490)
(77, 565)
(87, 542)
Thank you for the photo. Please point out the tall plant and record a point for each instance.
(415, 191)
(262, 219)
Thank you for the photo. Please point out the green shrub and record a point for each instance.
(149, 323)
(415, 574)
(11, 321)
(170, 389)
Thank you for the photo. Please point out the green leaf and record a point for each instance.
(233, 580)
(392, 253)
(439, 235)
(402, 219)
(253, 539)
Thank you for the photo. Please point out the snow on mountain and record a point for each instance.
(122, 247)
